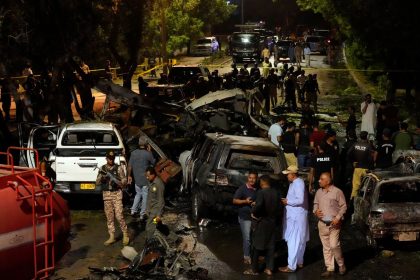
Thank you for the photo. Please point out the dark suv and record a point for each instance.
(218, 164)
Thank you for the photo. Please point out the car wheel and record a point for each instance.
(199, 209)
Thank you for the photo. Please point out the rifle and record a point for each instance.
(111, 176)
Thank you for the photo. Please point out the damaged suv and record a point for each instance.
(388, 206)
(218, 164)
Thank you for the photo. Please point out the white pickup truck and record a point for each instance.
(77, 151)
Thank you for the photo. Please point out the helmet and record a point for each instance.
(110, 154)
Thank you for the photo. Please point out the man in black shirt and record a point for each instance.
(243, 198)
(266, 213)
(361, 154)
(288, 142)
(320, 163)
(383, 154)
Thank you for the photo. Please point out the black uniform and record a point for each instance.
(321, 163)
(384, 157)
(267, 211)
(361, 153)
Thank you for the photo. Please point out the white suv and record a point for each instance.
(205, 46)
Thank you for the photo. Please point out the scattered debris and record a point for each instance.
(387, 253)
(161, 258)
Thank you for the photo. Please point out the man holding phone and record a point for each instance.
(243, 198)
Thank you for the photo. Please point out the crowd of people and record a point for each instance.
(312, 147)
(262, 210)
(282, 80)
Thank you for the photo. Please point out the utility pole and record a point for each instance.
(163, 35)
(242, 11)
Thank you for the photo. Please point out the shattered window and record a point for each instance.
(397, 192)
(90, 138)
(253, 160)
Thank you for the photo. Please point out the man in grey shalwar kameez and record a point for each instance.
(295, 223)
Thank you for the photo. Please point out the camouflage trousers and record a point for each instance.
(113, 207)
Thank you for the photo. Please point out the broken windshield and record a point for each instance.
(398, 192)
(253, 160)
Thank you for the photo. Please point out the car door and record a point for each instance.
(362, 202)
(44, 140)
(190, 162)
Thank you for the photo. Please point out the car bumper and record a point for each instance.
(77, 188)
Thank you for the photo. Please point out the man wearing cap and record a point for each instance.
(111, 178)
(295, 222)
(330, 207)
(140, 159)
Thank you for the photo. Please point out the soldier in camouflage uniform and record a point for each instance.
(155, 201)
(111, 179)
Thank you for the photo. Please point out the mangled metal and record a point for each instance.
(163, 257)
(388, 206)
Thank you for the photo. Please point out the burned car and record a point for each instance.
(388, 207)
(218, 164)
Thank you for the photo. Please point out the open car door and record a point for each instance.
(44, 140)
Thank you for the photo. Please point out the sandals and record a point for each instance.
(250, 272)
(286, 269)
(268, 272)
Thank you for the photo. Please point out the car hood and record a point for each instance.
(399, 212)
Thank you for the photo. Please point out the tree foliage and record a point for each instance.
(186, 20)
(380, 32)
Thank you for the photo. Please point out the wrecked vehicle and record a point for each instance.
(388, 206)
(163, 257)
(218, 164)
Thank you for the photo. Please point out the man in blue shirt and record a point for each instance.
(243, 198)
(140, 160)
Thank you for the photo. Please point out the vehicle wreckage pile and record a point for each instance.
(164, 257)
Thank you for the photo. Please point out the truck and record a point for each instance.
(75, 152)
(246, 46)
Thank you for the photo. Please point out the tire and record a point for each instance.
(198, 208)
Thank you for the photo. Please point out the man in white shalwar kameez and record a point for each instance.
(295, 223)
(368, 109)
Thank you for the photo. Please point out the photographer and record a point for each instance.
(111, 179)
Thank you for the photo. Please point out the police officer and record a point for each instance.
(155, 201)
(361, 154)
(320, 163)
(111, 179)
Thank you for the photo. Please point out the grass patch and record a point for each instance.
(216, 56)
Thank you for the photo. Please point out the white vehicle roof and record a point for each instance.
(90, 125)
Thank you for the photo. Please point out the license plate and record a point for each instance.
(407, 236)
(87, 186)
